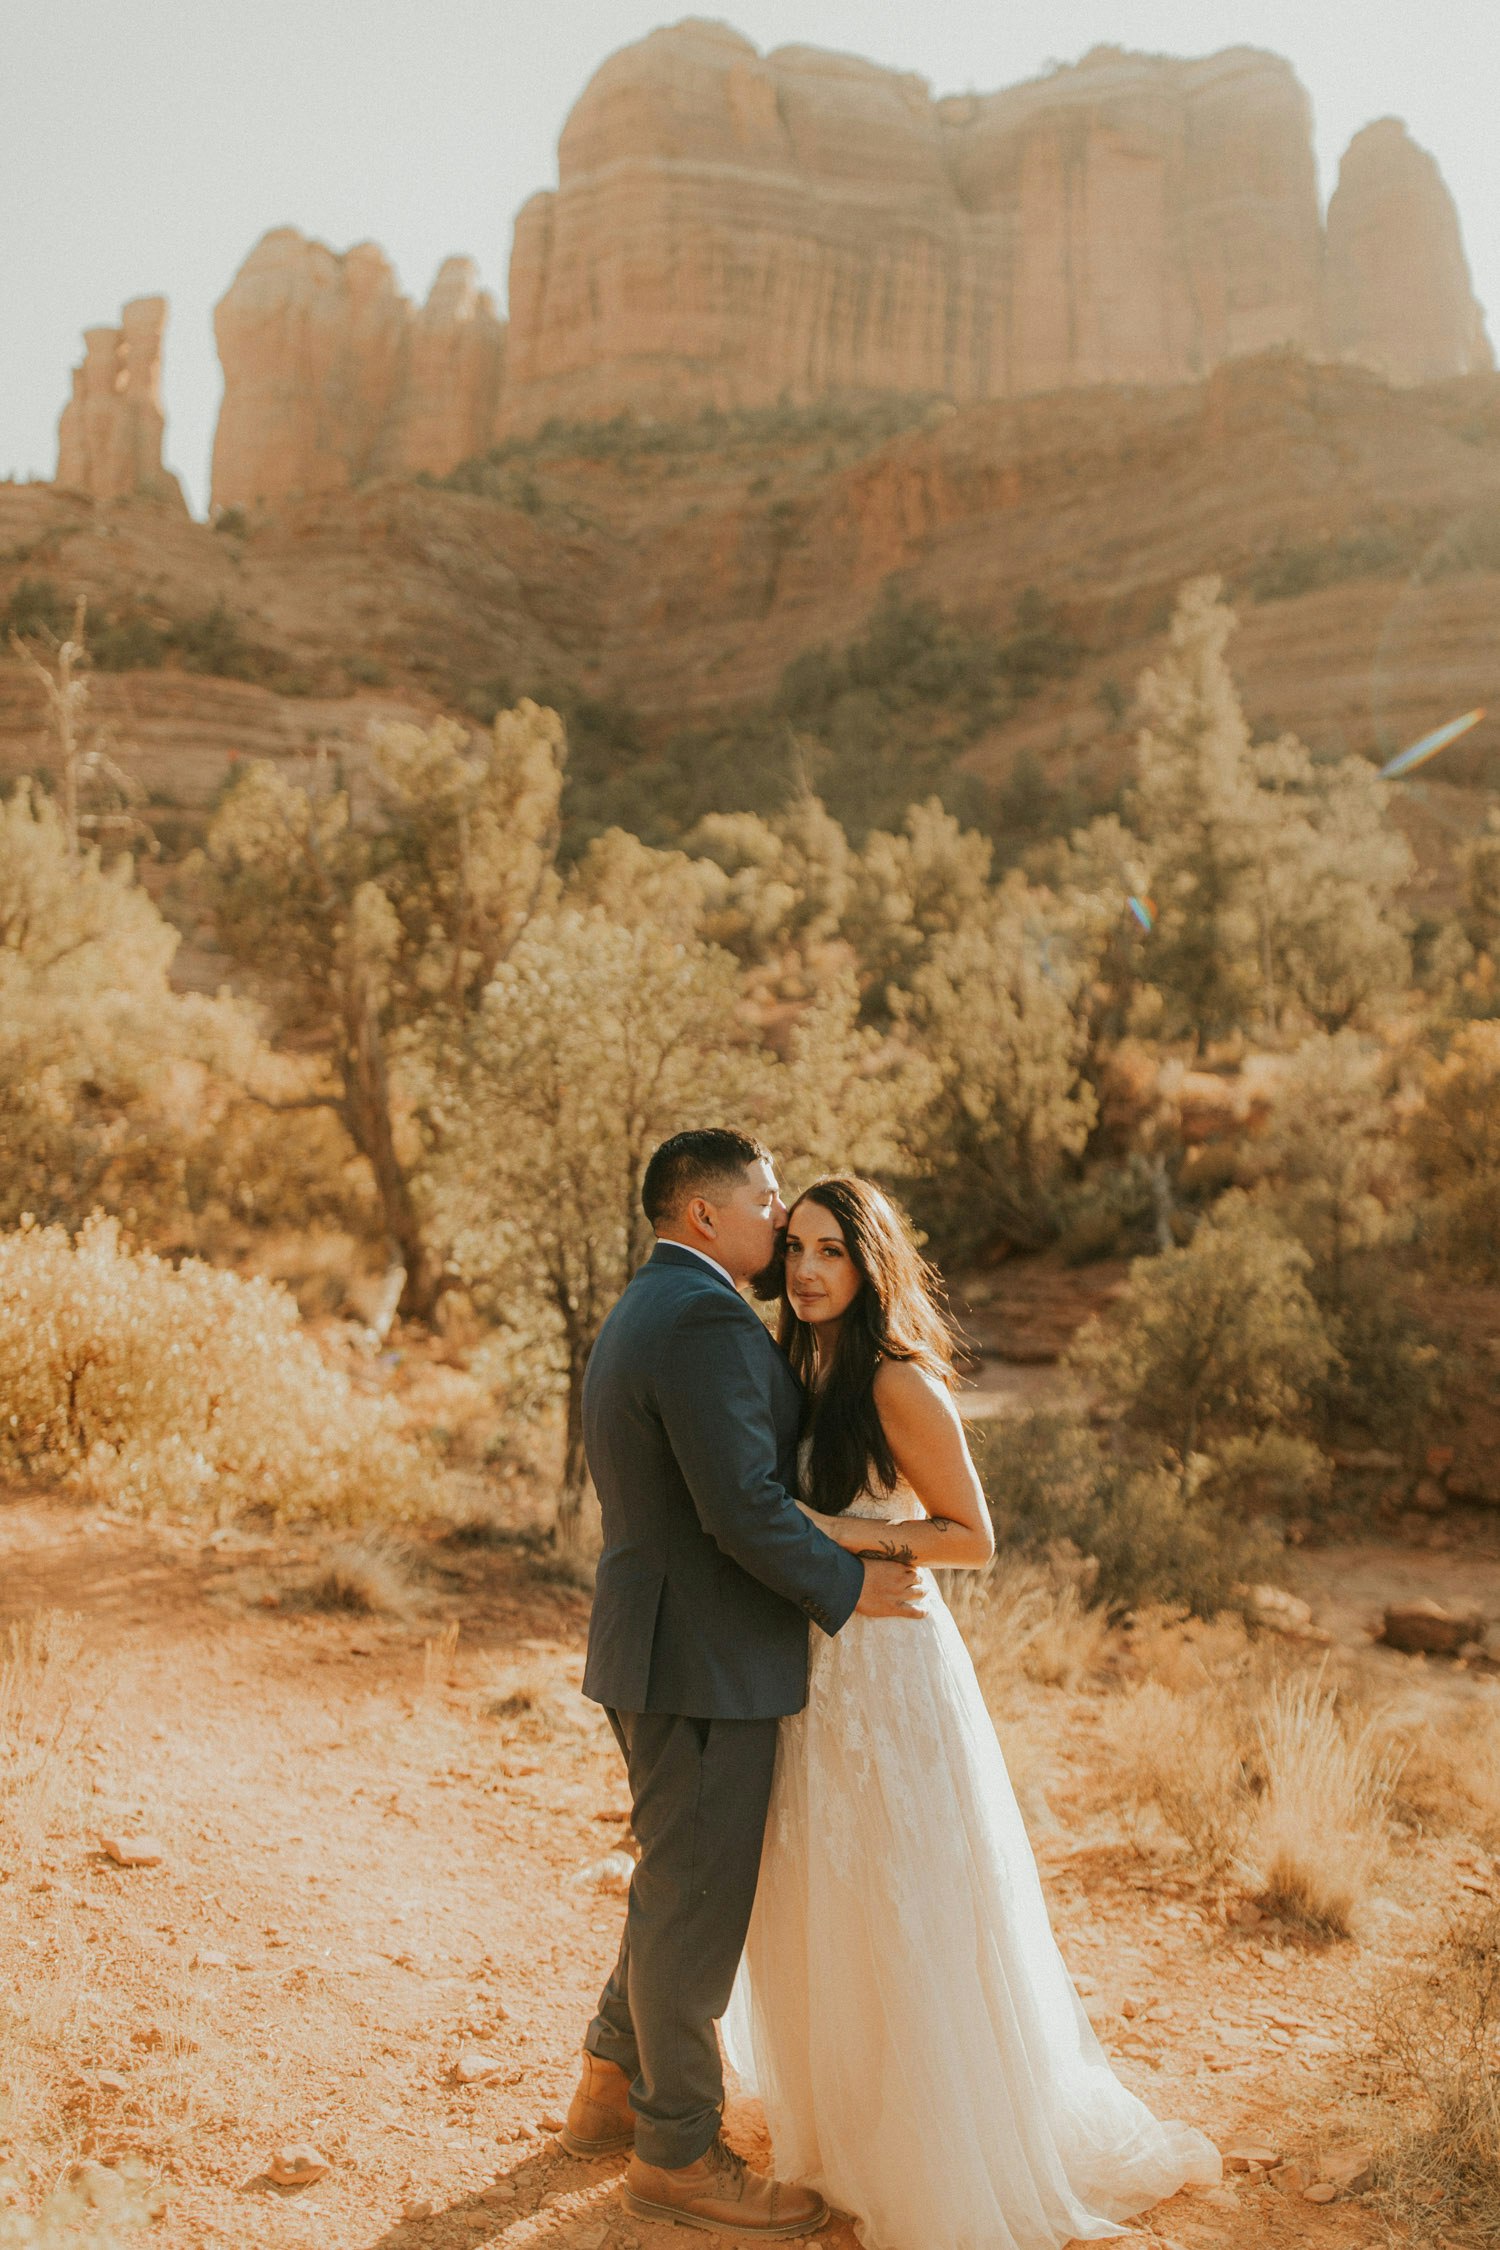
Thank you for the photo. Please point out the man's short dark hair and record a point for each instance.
(696, 1163)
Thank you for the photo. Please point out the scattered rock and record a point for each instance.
(298, 2164)
(132, 1851)
(591, 2237)
(500, 2191)
(1246, 1915)
(207, 1959)
(1425, 1626)
(473, 2067)
(1292, 2179)
(423, 2209)
(1250, 2156)
(612, 1873)
(1274, 1610)
(1351, 2172)
(1321, 2191)
(112, 2081)
(549, 2122)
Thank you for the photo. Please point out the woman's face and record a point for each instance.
(822, 1280)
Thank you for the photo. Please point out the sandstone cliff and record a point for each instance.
(331, 375)
(1399, 294)
(109, 438)
(730, 228)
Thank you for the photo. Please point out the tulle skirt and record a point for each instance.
(903, 2011)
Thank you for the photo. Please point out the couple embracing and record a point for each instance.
(832, 1863)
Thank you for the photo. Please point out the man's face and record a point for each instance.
(747, 1222)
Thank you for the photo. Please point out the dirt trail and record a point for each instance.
(372, 1838)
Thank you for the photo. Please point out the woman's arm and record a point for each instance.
(927, 1443)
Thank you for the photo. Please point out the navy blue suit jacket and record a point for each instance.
(709, 1572)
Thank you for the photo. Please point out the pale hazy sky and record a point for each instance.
(145, 145)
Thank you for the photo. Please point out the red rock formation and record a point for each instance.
(331, 376)
(455, 366)
(110, 435)
(729, 228)
(1400, 298)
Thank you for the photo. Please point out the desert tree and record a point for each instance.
(1480, 868)
(1329, 879)
(356, 929)
(1331, 1160)
(594, 1040)
(106, 1072)
(1215, 1342)
(1194, 808)
(784, 885)
(1454, 1139)
(998, 1011)
(910, 890)
(1276, 879)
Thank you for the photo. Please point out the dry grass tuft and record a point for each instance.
(366, 1576)
(1320, 1834)
(1182, 1759)
(1436, 2031)
(1450, 1766)
(1031, 1620)
(48, 1694)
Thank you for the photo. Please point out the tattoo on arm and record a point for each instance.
(889, 1551)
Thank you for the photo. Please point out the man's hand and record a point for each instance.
(891, 1590)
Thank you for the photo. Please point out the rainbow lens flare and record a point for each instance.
(1429, 746)
(1144, 910)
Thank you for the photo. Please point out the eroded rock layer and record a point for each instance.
(109, 438)
(730, 228)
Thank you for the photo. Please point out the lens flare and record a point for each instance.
(1429, 746)
(1144, 910)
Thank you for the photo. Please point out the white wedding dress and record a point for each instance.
(902, 2010)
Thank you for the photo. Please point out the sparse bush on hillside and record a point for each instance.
(1215, 1341)
(182, 1389)
(1051, 1477)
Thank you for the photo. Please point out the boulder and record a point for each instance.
(109, 439)
(1425, 1626)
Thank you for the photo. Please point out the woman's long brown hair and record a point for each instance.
(898, 1312)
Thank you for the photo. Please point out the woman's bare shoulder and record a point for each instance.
(906, 1392)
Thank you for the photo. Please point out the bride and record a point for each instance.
(902, 2009)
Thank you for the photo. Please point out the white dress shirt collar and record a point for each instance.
(694, 1252)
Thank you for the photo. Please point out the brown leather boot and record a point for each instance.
(722, 2195)
(600, 2119)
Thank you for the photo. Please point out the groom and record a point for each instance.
(697, 1649)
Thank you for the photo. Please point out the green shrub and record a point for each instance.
(1050, 1477)
(35, 606)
